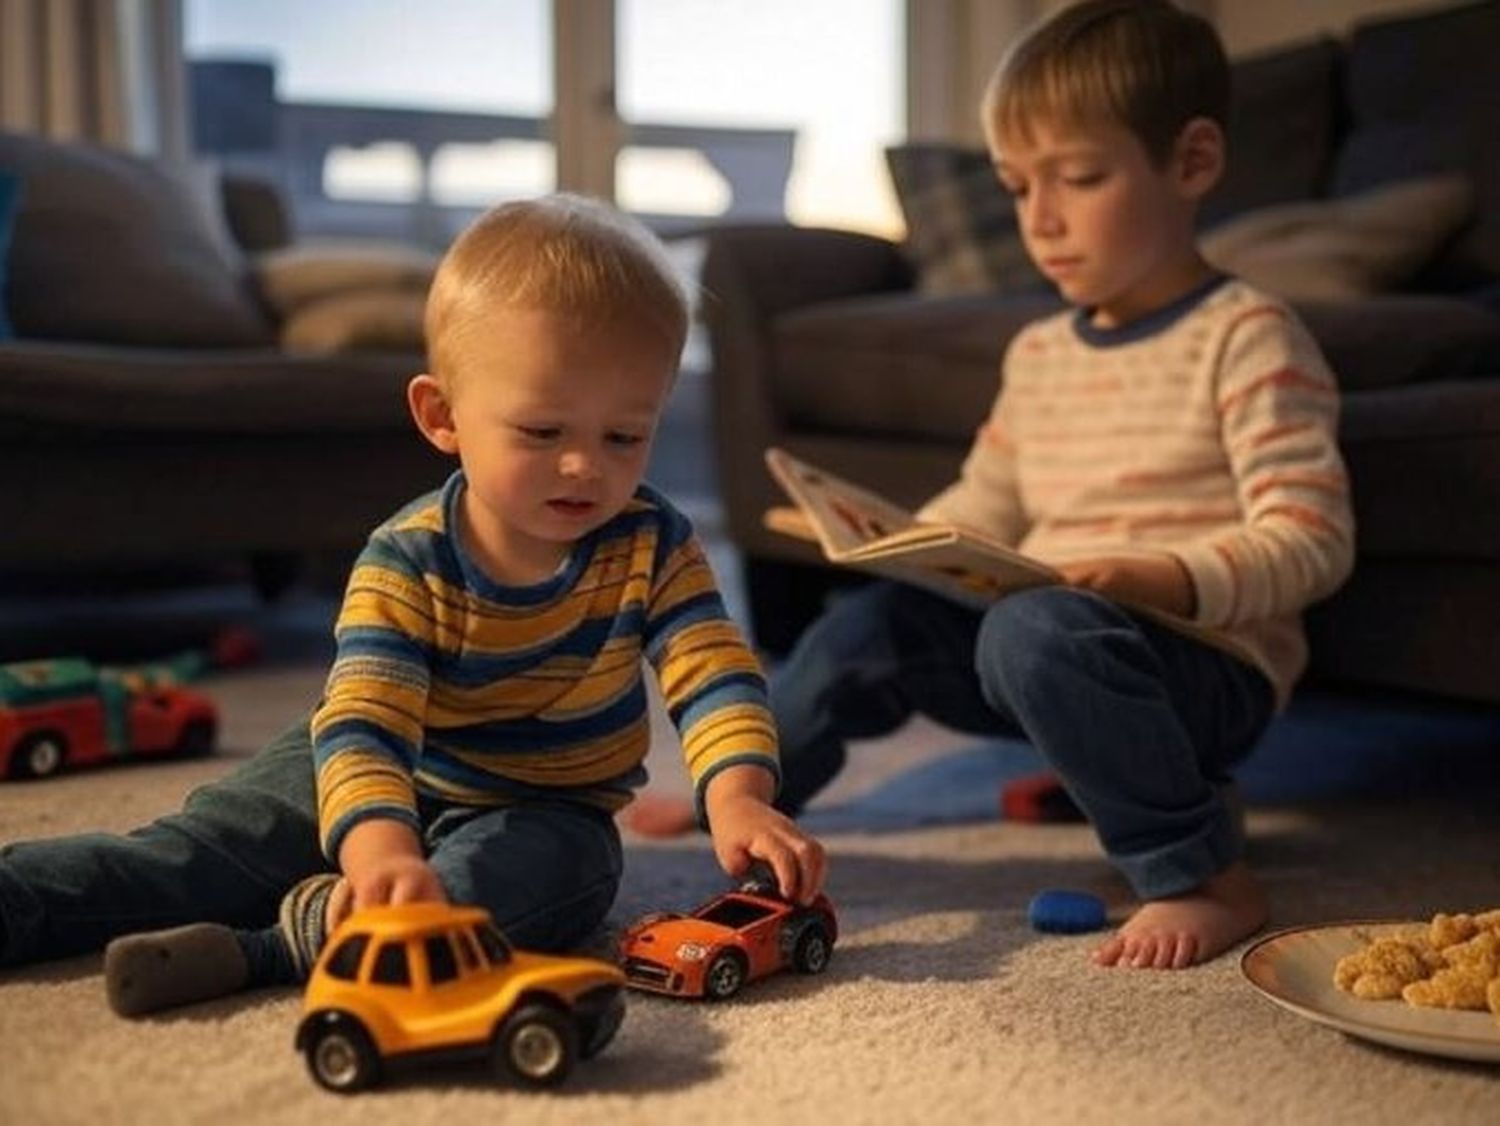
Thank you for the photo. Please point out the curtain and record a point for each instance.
(106, 71)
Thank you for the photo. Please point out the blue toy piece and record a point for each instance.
(1060, 911)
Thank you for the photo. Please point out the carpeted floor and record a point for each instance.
(940, 1004)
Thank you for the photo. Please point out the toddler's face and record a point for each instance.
(553, 425)
(1103, 223)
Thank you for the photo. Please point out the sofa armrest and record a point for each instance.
(751, 276)
(256, 212)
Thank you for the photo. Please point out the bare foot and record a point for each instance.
(658, 815)
(1170, 934)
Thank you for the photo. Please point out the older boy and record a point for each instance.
(485, 714)
(1168, 444)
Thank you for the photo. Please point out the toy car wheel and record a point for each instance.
(197, 739)
(536, 1045)
(40, 755)
(726, 973)
(341, 1058)
(812, 951)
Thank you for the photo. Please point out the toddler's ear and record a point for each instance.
(1199, 156)
(432, 412)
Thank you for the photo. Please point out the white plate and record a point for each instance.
(1294, 968)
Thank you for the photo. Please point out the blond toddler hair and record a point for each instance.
(564, 254)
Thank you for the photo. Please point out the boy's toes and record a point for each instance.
(656, 815)
(1109, 952)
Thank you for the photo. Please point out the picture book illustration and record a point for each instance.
(860, 528)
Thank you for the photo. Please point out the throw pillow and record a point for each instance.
(379, 320)
(10, 190)
(1343, 248)
(961, 233)
(295, 276)
(112, 248)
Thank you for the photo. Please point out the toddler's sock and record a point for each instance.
(159, 969)
(144, 973)
(303, 920)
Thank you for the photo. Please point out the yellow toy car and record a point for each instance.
(432, 981)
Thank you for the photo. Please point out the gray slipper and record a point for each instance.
(160, 969)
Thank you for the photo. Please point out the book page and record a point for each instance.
(844, 516)
(962, 571)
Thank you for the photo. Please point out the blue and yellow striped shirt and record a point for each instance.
(450, 686)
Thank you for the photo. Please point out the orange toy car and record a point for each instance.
(70, 712)
(433, 981)
(732, 939)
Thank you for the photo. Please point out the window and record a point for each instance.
(390, 965)
(442, 966)
(784, 108)
(735, 913)
(764, 110)
(344, 962)
(495, 948)
(366, 135)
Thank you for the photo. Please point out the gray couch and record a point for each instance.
(824, 343)
(146, 411)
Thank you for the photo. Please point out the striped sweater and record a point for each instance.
(1206, 430)
(450, 688)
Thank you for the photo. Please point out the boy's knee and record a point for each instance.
(1027, 638)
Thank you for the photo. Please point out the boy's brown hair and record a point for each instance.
(564, 254)
(1145, 64)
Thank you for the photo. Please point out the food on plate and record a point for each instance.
(1387, 966)
(1451, 963)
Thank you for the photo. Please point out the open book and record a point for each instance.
(858, 528)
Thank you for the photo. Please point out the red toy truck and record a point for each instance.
(70, 712)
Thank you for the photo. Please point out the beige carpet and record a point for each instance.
(940, 1004)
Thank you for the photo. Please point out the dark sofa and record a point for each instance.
(147, 413)
(824, 342)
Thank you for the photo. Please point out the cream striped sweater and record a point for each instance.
(1207, 430)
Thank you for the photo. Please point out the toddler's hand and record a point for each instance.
(396, 879)
(746, 829)
(383, 862)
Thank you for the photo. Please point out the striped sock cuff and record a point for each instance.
(303, 920)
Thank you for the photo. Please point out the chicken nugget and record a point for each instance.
(1457, 987)
(1382, 969)
(1492, 995)
(1482, 952)
(1488, 920)
(1446, 930)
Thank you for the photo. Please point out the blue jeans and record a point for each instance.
(1141, 723)
(547, 871)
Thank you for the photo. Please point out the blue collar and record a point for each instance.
(1148, 325)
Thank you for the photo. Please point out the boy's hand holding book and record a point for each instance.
(1158, 581)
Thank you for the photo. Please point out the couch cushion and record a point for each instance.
(1409, 448)
(1424, 96)
(961, 232)
(896, 366)
(63, 387)
(1282, 123)
(360, 320)
(1397, 339)
(292, 277)
(111, 248)
(1355, 246)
